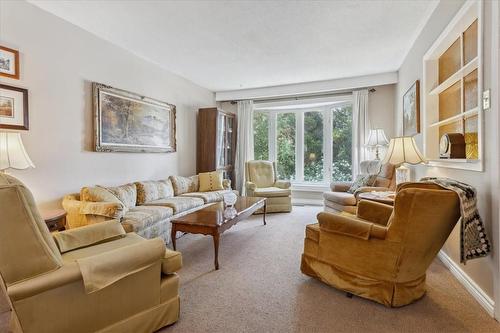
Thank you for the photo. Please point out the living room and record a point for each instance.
(241, 166)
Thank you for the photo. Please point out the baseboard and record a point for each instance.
(484, 300)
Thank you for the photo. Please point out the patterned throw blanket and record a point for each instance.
(473, 240)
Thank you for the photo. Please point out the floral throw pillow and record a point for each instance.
(361, 181)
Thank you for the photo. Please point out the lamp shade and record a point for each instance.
(12, 152)
(377, 137)
(403, 150)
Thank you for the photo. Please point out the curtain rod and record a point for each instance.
(302, 97)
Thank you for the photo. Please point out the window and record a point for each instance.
(309, 145)
(286, 145)
(342, 143)
(261, 135)
(452, 90)
(313, 146)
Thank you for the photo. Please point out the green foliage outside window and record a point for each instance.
(286, 145)
(261, 135)
(342, 144)
(313, 147)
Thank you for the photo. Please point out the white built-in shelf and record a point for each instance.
(467, 113)
(465, 70)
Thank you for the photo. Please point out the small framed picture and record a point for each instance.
(9, 63)
(13, 108)
(411, 110)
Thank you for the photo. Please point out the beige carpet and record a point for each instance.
(259, 288)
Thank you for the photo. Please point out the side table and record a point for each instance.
(55, 219)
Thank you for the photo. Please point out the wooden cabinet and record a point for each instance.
(216, 143)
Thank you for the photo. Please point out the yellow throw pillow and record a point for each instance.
(210, 181)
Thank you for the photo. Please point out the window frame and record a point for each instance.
(327, 113)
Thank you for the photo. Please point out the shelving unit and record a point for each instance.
(452, 86)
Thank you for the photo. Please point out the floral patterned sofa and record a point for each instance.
(144, 207)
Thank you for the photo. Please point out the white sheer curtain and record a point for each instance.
(244, 147)
(360, 128)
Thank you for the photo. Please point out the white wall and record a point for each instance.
(58, 63)
(480, 270)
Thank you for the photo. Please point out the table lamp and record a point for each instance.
(403, 150)
(377, 139)
(12, 152)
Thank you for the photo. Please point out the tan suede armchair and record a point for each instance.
(383, 253)
(95, 278)
(339, 200)
(261, 181)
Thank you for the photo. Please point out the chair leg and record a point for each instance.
(348, 295)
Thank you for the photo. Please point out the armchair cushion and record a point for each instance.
(261, 173)
(341, 198)
(72, 239)
(271, 192)
(350, 226)
(102, 270)
(171, 262)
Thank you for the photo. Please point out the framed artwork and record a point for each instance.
(9, 63)
(128, 122)
(411, 110)
(13, 107)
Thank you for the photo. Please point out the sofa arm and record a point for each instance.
(171, 262)
(349, 226)
(73, 239)
(112, 210)
(284, 184)
(375, 212)
(226, 184)
(250, 188)
(340, 186)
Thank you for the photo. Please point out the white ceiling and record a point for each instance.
(228, 45)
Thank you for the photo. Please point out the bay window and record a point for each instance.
(309, 145)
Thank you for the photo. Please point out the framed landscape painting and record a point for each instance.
(9, 62)
(13, 107)
(411, 110)
(128, 122)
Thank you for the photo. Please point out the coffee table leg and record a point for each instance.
(216, 248)
(264, 215)
(173, 233)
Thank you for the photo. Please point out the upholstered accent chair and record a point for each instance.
(383, 252)
(96, 278)
(261, 181)
(339, 200)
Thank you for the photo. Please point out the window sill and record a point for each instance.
(310, 187)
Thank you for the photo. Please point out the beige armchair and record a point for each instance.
(383, 253)
(261, 181)
(94, 278)
(339, 200)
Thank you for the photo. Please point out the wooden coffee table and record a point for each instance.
(215, 219)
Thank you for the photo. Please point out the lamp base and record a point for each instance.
(402, 174)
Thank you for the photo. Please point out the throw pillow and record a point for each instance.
(184, 184)
(148, 191)
(210, 181)
(126, 193)
(362, 180)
